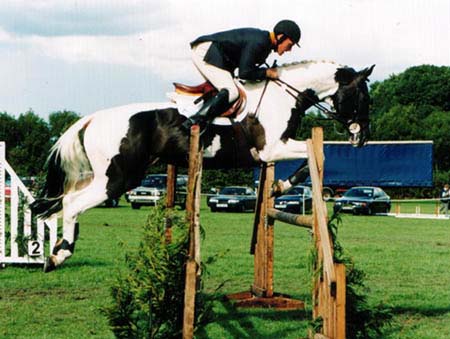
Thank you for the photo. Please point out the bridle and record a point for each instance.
(295, 93)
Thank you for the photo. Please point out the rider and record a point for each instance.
(216, 56)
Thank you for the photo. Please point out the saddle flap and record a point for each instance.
(201, 89)
(238, 106)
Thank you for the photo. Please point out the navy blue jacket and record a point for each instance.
(242, 48)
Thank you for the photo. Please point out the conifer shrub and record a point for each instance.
(148, 295)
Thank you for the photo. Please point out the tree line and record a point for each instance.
(412, 105)
(29, 138)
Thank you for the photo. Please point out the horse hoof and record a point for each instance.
(49, 265)
(276, 190)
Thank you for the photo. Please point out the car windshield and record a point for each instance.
(154, 181)
(233, 191)
(359, 192)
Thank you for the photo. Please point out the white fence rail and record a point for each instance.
(21, 242)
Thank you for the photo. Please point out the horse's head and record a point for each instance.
(351, 102)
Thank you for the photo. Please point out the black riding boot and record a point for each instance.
(210, 110)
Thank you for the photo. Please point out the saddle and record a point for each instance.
(206, 90)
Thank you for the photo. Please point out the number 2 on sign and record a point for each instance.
(34, 248)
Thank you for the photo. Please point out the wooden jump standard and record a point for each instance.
(328, 295)
(193, 218)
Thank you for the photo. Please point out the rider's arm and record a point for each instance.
(250, 56)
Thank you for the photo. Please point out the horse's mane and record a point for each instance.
(306, 63)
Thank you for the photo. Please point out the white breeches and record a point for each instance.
(220, 78)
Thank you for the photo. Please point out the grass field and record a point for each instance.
(406, 261)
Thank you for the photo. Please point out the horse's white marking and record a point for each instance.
(292, 149)
(61, 256)
(215, 146)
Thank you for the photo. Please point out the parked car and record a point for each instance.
(363, 200)
(233, 198)
(295, 199)
(153, 187)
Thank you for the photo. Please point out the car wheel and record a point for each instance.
(135, 206)
(355, 211)
(213, 209)
(369, 211)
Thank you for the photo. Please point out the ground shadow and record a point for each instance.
(238, 323)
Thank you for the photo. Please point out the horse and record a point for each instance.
(104, 154)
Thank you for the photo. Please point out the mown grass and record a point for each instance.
(406, 262)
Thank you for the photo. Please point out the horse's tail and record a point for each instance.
(66, 165)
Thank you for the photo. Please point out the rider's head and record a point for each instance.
(287, 33)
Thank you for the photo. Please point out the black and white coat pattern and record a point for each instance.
(108, 152)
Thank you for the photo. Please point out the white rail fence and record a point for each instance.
(21, 240)
(418, 209)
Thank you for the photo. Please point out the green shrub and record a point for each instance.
(148, 297)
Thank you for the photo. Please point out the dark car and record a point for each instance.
(363, 200)
(153, 187)
(294, 200)
(233, 198)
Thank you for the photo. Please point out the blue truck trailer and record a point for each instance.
(380, 163)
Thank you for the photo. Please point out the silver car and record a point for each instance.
(153, 188)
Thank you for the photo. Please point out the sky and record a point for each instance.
(86, 55)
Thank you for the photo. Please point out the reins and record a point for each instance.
(295, 93)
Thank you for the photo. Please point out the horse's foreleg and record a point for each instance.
(281, 187)
(74, 204)
(290, 150)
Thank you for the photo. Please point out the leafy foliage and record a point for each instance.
(424, 85)
(148, 298)
(60, 121)
(29, 138)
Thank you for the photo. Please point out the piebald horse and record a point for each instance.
(106, 153)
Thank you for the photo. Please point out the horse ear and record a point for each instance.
(366, 72)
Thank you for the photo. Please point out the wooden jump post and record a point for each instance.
(329, 283)
(193, 217)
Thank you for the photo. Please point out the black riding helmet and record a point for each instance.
(289, 29)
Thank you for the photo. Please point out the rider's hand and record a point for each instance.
(272, 73)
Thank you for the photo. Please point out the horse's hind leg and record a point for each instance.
(74, 204)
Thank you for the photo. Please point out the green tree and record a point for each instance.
(33, 142)
(398, 123)
(424, 85)
(436, 127)
(415, 105)
(8, 130)
(60, 121)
